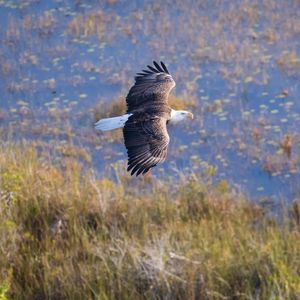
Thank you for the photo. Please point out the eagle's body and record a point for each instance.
(145, 123)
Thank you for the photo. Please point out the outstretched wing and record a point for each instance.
(152, 87)
(146, 139)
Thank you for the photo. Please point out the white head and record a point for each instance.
(179, 115)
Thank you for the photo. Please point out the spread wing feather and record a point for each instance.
(145, 132)
(158, 67)
(151, 86)
(164, 67)
(146, 141)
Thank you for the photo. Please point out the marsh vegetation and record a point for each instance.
(66, 234)
(236, 66)
(218, 220)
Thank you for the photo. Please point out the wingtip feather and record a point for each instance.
(152, 69)
(164, 67)
(158, 67)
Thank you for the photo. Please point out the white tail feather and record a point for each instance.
(112, 123)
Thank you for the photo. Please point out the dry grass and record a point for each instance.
(98, 23)
(116, 107)
(182, 102)
(65, 234)
(289, 62)
(107, 109)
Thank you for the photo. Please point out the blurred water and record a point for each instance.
(246, 103)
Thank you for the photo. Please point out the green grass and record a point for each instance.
(66, 235)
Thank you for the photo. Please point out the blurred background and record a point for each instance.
(65, 64)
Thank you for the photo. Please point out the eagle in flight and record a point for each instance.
(145, 123)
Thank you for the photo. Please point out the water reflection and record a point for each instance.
(238, 62)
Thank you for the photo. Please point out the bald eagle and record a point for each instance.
(145, 123)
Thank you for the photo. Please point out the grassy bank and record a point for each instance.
(66, 235)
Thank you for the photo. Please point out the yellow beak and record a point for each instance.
(191, 116)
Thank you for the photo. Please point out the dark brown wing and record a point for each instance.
(151, 87)
(146, 139)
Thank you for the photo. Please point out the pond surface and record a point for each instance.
(236, 65)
